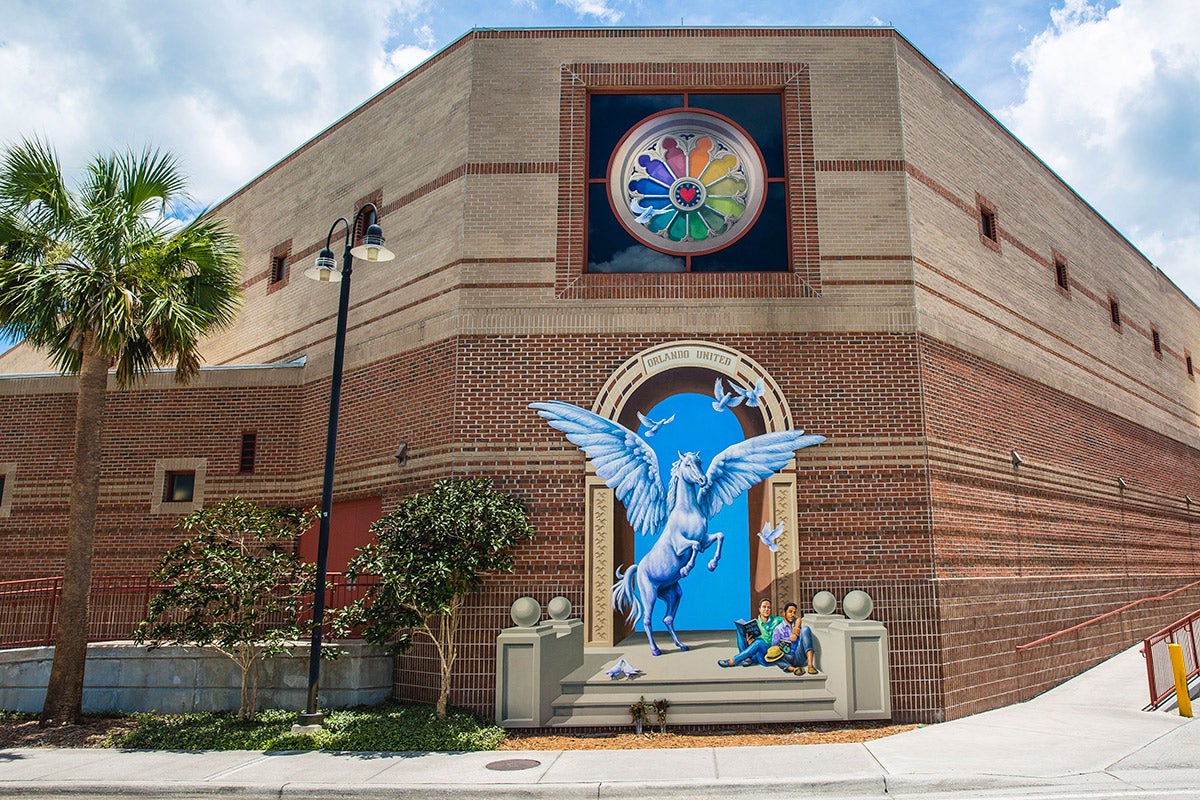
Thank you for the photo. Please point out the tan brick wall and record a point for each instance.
(1005, 305)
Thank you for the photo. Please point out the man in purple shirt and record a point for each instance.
(796, 640)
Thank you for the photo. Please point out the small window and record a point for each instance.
(1114, 312)
(7, 482)
(179, 487)
(249, 447)
(1060, 274)
(1157, 342)
(987, 224)
(1188, 362)
(277, 268)
(989, 227)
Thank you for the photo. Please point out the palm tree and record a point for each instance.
(97, 278)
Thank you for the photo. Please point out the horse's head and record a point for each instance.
(688, 468)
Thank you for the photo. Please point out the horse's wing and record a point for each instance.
(740, 466)
(621, 458)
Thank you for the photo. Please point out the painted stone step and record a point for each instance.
(730, 680)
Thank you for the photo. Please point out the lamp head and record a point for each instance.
(372, 248)
(325, 269)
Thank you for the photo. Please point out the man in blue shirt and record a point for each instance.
(796, 641)
(754, 652)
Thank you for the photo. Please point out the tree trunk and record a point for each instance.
(447, 651)
(64, 693)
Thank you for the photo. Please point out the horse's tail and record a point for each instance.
(624, 595)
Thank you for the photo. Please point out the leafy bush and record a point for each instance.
(429, 555)
(389, 727)
(236, 585)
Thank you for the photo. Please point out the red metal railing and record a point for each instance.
(1158, 659)
(29, 608)
(1105, 616)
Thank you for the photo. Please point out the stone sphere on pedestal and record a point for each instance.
(858, 604)
(824, 602)
(559, 608)
(526, 612)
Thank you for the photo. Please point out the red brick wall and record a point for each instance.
(1028, 551)
(140, 427)
(862, 496)
(964, 556)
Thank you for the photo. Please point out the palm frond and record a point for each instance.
(32, 186)
(150, 179)
(108, 265)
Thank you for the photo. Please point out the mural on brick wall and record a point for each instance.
(679, 506)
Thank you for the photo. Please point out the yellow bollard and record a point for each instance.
(1181, 688)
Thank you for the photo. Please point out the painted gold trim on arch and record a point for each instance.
(602, 625)
(732, 364)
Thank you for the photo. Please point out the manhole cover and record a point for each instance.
(510, 764)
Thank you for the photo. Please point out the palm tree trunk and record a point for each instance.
(64, 693)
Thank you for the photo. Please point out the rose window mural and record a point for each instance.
(686, 182)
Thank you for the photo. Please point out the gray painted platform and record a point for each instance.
(700, 691)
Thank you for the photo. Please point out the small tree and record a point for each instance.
(430, 554)
(236, 585)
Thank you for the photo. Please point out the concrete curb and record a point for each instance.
(854, 786)
(851, 786)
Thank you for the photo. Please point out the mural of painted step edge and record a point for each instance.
(546, 677)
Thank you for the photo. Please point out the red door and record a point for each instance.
(349, 529)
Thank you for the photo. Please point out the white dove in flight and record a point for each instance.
(653, 425)
(768, 536)
(644, 213)
(725, 399)
(752, 396)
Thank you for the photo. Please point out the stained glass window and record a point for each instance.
(680, 183)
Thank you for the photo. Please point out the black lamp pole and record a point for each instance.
(325, 270)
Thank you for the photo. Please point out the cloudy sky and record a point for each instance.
(1106, 92)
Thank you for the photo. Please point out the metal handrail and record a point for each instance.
(1183, 632)
(1105, 616)
(29, 607)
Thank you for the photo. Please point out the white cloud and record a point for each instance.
(397, 62)
(230, 87)
(637, 258)
(1112, 103)
(593, 8)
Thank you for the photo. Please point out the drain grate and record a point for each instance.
(510, 764)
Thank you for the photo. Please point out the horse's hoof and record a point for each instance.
(712, 566)
(656, 652)
(683, 573)
(683, 648)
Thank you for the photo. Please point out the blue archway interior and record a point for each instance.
(707, 596)
(711, 601)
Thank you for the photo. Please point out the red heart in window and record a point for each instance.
(687, 193)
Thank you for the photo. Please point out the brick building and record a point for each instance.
(1006, 384)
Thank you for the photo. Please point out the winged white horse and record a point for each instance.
(678, 513)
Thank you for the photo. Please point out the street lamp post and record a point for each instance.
(326, 271)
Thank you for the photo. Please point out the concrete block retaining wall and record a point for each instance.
(122, 676)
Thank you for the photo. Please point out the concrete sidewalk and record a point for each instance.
(1088, 737)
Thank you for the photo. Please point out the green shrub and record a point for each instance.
(391, 726)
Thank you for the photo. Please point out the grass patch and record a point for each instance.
(391, 726)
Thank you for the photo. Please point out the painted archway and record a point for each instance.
(641, 383)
